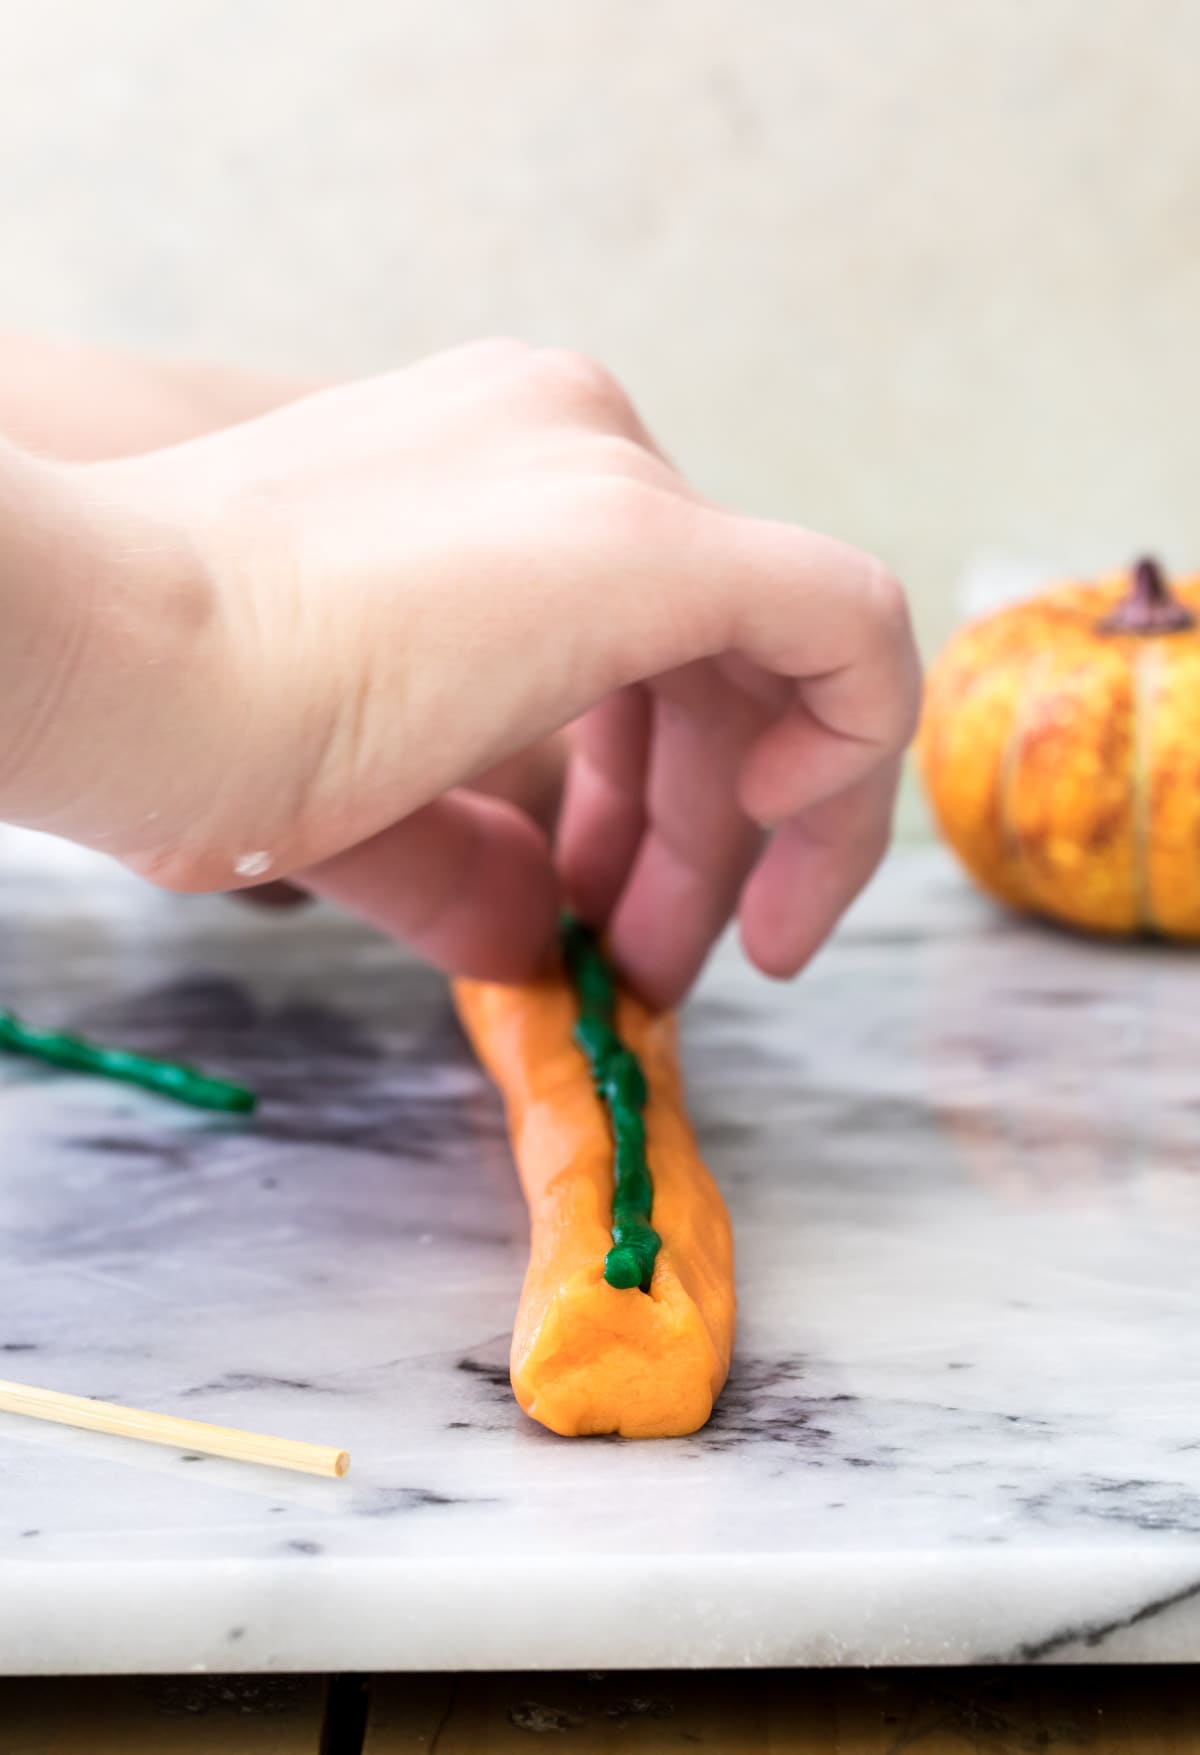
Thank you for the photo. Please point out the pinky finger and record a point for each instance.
(811, 871)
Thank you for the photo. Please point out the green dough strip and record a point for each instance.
(166, 1077)
(621, 1084)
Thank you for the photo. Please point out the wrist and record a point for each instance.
(46, 587)
(99, 605)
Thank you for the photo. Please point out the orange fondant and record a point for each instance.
(587, 1358)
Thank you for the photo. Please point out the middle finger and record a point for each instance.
(698, 844)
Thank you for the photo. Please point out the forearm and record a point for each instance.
(63, 400)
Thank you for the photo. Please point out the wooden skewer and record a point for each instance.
(253, 1447)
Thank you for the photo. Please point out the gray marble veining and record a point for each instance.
(963, 1423)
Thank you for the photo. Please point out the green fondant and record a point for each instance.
(621, 1084)
(168, 1078)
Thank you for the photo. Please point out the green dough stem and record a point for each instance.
(168, 1078)
(621, 1084)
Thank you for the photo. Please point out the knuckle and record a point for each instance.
(617, 505)
(616, 456)
(580, 380)
(890, 597)
(891, 610)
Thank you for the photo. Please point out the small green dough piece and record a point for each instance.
(168, 1078)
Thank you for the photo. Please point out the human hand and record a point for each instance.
(309, 634)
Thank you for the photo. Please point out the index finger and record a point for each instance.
(835, 621)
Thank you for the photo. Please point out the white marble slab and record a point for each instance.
(963, 1424)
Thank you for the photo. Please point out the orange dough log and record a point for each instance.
(586, 1357)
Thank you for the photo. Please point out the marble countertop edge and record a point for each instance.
(322, 1613)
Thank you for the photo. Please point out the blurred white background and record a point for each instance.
(924, 274)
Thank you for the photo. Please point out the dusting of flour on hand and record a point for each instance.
(252, 864)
